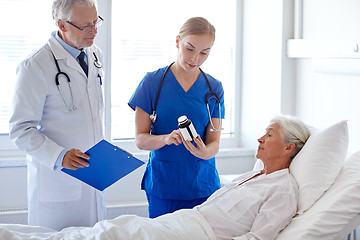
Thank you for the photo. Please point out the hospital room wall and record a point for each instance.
(328, 86)
(274, 83)
(267, 74)
(328, 89)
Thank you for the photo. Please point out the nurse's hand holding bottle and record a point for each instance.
(205, 150)
(190, 136)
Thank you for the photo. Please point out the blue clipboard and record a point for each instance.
(108, 164)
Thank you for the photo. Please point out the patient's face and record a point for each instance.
(271, 145)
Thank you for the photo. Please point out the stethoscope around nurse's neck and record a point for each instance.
(211, 94)
(71, 106)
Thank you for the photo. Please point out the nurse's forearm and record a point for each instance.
(213, 149)
(210, 150)
(212, 141)
(146, 141)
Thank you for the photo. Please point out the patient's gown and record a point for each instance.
(256, 209)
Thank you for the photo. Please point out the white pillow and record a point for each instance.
(332, 214)
(317, 165)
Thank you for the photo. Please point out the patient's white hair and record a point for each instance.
(293, 131)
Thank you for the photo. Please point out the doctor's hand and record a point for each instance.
(74, 159)
(200, 150)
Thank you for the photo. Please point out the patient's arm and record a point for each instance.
(274, 215)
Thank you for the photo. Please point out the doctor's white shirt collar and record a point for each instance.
(73, 51)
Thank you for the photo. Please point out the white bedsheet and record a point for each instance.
(184, 224)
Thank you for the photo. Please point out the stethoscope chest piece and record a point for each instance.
(97, 63)
(153, 117)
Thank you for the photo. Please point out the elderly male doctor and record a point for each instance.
(58, 114)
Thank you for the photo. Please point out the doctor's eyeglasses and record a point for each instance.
(88, 28)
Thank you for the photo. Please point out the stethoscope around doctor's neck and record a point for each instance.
(211, 94)
(71, 106)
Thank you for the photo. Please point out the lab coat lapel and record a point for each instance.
(61, 53)
(90, 61)
(93, 84)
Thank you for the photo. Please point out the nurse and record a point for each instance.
(180, 174)
(56, 117)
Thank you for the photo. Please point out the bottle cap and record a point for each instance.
(182, 119)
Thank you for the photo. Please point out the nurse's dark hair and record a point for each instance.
(197, 26)
(62, 9)
(293, 131)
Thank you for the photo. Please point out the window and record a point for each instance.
(18, 38)
(22, 32)
(143, 40)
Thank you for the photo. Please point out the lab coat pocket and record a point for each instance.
(56, 186)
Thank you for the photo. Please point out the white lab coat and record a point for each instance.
(42, 126)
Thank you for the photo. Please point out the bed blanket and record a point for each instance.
(181, 225)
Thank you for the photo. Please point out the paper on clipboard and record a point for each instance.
(108, 164)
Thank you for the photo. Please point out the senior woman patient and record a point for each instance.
(259, 204)
(256, 205)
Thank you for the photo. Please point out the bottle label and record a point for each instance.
(187, 129)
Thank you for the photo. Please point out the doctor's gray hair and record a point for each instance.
(197, 26)
(293, 131)
(62, 9)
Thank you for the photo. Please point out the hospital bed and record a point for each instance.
(335, 215)
(328, 209)
(329, 187)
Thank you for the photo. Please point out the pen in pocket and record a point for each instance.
(100, 79)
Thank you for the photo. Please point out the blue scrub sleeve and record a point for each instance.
(143, 96)
(218, 88)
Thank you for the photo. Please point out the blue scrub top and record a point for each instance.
(172, 171)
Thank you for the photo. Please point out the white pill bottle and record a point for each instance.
(187, 129)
